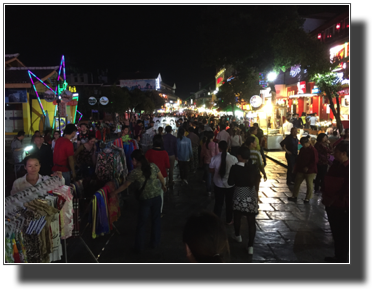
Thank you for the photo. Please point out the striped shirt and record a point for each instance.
(256, 158)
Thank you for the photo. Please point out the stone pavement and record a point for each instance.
(286, 232)
(277, 156)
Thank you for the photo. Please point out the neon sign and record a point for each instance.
(301, 87)
(295, 70)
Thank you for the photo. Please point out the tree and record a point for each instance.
(331, 85)
(243, 86)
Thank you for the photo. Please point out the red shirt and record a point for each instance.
(160, 158)
(63, 149)
(98, 135)
(308, 157)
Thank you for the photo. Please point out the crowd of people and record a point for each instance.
(231, 154)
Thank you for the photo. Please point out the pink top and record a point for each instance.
(212, 151)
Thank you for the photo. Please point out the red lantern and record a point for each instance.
(319, 36)
(338, 26)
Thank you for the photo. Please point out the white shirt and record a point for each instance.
(216, 164)
(224, 136)
(21, 184)
(313, 120)
(236, 140)
(287, 127)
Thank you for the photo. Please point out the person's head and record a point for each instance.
(335, 133)
(296, 115)
(38, 140)
(70, 131)
(157, 141)
(191, 129)
(243, 154)
(20, 135)
(168, 129)
(32, 165)
(91, 140)
(305, 142)
(83, 127)
(312, 140)
(303, 113)
(223, 127)
(139, 123)
(37, 133)
(160, 130)
(56, 134)
(255, 125)
(204, 121)
(139, 160)
(341, 152)
(253, 130)
(125, 130)
(250, 142)
(293, 132)
(181, 132)
(205, 238)
(322, 137)
(209, 137)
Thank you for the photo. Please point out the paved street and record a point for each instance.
(286, 232)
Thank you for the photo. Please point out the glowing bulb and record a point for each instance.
(271, 76)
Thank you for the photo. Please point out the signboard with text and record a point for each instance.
(141, 84)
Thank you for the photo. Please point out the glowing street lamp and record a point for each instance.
(271, 76)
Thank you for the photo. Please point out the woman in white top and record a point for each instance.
(32, 177)
(235, 141)
(56, 136)
(220, 166)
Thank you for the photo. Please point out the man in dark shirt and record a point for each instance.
(43, 152)
(290, 146)
(170, 145)
(297, 123)
(138, 129)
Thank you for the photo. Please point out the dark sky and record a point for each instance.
(161, 39)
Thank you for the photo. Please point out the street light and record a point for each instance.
(271, 76)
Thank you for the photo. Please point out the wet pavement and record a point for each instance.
(287, 232)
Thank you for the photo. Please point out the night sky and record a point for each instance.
(159, 39)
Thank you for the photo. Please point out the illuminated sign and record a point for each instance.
(301, 87)
(315, 90)
(92, 101)
(49, 96)
(295, 70)
(157, 84)
(72, 88)
(340, 51)
(256, 101)
(66, 96)
(103, 100)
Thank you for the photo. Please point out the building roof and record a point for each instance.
(20, 77)
(12, 61)
(139, 75)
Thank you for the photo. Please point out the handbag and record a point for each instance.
(139, 192)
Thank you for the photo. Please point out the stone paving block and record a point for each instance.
(302, 226)
(268, 238)
(262, 252)
(272, 225)
(278, 215)
(281, 189)
(284, 252)
(275, 194)
(280, 184)
(270, 200)
(285, 207)
(262, 215)
(300, 238)
(265, 207)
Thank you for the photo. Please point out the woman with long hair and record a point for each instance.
(324, 151)
(209, 150)
(244, 175)
(185, 153)
(147, 176)
(205, 238)
(220, 166)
